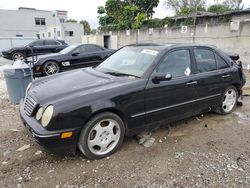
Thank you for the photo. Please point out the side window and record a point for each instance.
(51, 42)
(80, 49)
(177, 63)
(37, 43)
(91, 48)
(221, 63)
(205, 60)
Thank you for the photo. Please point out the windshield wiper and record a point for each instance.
(121, 74)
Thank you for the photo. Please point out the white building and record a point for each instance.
(28, 22)
(69, 32)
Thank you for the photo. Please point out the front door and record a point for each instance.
(84, 56)
(175, 98)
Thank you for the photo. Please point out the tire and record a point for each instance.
(101, 136)
(17, 56)
(228, 101)
(50, 68)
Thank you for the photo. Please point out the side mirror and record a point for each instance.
(158, 77)
(75, 54)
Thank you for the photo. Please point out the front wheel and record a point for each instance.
(50, 67)
(229, 101)
(101, 136)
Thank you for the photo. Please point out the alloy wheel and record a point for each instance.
(104, 137)
(229, 100)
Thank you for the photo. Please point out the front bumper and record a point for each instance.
(50, 140)
(6, 55)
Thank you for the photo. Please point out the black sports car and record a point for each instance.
(36, 47)
(75, 56)
(137, 88)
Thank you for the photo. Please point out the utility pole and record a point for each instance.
(194, 32)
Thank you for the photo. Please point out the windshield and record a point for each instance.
(132, 61)
(68, 49)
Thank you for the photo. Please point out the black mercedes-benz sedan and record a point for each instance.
(136, 89)
(72, 57)
(36, 47)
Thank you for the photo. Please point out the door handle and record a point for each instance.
(191, 83)
(225, 76)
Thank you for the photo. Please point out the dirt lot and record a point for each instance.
(209, 151)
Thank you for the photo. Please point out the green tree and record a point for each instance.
(125, 14)
(86, 27)
(218, 8)
(182, 7)
(72, 21)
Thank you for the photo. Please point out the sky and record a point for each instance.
(81, 9)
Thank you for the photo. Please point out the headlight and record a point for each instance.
(28, 87)
(47, 115)
(39, 114)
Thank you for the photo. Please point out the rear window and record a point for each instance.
(221, 63)
(205, 60)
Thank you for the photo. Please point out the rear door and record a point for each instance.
(38, 47)
(213, 76)
(173, 99)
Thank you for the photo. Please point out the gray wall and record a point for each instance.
(224, 36)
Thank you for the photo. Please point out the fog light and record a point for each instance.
(66, 135)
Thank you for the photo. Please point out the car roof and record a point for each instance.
(162, 46)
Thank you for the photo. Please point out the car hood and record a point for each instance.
(13, 48)
(73, 84)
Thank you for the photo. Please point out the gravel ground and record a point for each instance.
(205, 151)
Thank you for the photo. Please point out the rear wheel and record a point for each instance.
(229, 101)
(18, 56)
(50, 68)
(101, 136)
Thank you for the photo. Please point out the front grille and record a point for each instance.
(29, 106)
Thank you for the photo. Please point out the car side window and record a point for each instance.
(205, 60)
(221, 63)
(80, 49)
(37, 43)
(177, 63)
(91, 48)
(51, 42)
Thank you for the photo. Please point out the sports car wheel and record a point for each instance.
(101, 136)
(50, 67)
(18, 56)
(229, 101)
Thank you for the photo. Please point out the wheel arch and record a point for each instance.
(238, 87)
(112, 110)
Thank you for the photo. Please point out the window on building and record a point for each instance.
(43, 35)
(69, 33)
(62, 20)
(49, 34)
(40, 21)
(43, 21)
(58, 33)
